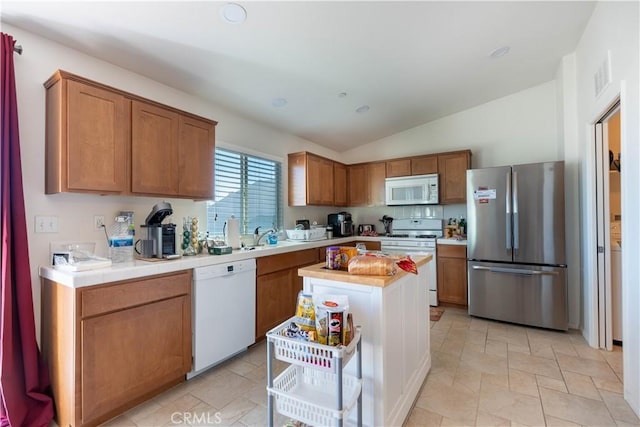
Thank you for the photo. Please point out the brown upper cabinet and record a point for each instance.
(315, 180)
(340, 193)
(424, 165)
(312, 180)
(87, 138)
(106, 141)
(452, 168)
(366, 184)
(421, 165)
(154, 141)
(401, 167)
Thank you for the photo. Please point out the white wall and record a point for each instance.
(613, 27)
(40, 59)
(569, 149)
(519, 128)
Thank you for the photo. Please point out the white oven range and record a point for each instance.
(416, 236)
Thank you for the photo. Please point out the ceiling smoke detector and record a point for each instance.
(279, 102)
(499, 52)
(233, 13)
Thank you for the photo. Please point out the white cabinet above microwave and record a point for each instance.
(412, 190)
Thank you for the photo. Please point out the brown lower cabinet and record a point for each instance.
(277, 287)
(452, 274)
(110, 347)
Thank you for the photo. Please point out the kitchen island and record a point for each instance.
(393, 312)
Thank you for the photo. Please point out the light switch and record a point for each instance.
(46, 224)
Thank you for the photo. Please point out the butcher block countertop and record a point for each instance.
(319, 271)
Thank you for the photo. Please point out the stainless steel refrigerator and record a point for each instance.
(516, 244)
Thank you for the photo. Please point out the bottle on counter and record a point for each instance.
(120, 241)
(462, 225)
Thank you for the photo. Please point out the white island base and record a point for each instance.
(393, 313)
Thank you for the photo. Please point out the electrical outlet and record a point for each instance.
(98, 222)
(46, 224)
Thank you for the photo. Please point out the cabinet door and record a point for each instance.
(273, 300)
(424, 165)
(400, 167)
(97, 139)
(358, 185)
(452, 280)
(319, 181)
(339, 184)
(453, 177)
(154, 149)
(126, 354)
(377, 174)
(196, 145)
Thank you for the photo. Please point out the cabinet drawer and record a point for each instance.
(452, 251)
(103, 299)
(269, 264)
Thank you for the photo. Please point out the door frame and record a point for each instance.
(603, 252)
(591, 292)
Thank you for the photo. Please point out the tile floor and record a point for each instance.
(483, 373)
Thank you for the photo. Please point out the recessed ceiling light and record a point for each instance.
(501, 51)
(279, 102)
(342, 94)
(233, 13)
(362, 109)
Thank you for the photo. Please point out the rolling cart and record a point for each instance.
(313, 388)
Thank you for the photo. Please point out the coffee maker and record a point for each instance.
(341, 224)
(163, 235)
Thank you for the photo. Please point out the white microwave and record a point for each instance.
(412, 190)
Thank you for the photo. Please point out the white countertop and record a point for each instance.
(141, 268)
(451, 241)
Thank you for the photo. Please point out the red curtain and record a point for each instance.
(24, 378)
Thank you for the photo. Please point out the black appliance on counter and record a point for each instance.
(163, 235)
(341, 223)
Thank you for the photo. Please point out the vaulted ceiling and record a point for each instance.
(309, 68)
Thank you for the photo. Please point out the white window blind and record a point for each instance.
(247, 187)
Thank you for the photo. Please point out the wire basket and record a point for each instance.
(305, 353)
(298, 386)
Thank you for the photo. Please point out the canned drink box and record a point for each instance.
(333, 258)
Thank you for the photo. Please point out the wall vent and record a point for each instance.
(602, 77)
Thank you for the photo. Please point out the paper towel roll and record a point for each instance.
(233, 232)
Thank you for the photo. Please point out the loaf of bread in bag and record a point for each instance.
(372, 265)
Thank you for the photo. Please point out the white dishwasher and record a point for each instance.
(224, 316)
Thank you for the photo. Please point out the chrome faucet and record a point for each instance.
(257, 236)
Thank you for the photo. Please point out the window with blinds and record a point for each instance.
(247, 187)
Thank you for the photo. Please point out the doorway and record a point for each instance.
(609, 225)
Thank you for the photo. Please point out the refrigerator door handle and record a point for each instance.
(516, 239)
(515, 271)
(508, 211)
